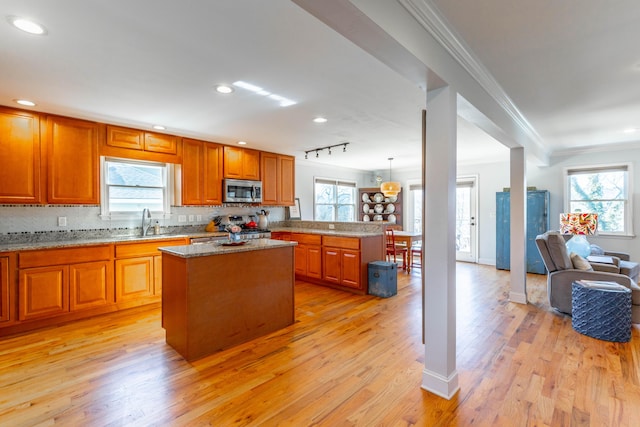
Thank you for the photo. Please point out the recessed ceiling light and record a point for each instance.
(320, 120)
(25, 102)
(224, 89)
(631, 130)
(27, 25)
(159, 127)
(242, 143)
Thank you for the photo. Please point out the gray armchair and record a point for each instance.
(561, 273)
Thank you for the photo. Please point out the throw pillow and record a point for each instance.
(580, 263)
(596, 250)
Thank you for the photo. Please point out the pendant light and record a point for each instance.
(390, 188)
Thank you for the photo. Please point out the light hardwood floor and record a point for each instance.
(347, 361)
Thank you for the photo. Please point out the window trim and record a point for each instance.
(623, 166)
(104, 196)
(336, 182)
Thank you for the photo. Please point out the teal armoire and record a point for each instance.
(537, 223)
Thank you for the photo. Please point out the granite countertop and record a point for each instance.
(341, 233)
(24, 246)
(219, 248)
(101, 240)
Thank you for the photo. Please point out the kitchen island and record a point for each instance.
(215, 296)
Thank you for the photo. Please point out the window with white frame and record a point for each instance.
(604, 190)
(335, 200)
(129, 186)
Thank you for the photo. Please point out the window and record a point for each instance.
(605, 191)
(334, 200)
(129, 186)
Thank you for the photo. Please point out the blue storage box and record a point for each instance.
(383, 279)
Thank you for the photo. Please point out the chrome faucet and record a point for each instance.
(146, 221)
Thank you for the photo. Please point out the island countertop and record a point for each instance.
(218, 248)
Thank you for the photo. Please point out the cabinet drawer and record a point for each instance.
(341, 242)
(146, 248)
(308, 239)
(47, 257)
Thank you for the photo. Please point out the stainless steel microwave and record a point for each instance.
(241, 191)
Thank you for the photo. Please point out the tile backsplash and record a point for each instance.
(27, 219)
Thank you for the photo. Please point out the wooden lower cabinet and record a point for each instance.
(308, 254)
(336, 261)
(139, 271)
(134, 278)
(5, 314)
(342, 267)
(43, 292)
(90, 285)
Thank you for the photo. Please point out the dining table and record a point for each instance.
(407, 237)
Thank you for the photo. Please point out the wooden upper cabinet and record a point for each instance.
(269, 169)
(73, 174)
(201, 173)
(20, 172)
(241, 163)
(278, 179)
(125, 138)
(160, 143)
(212, 169)
(141, 145)
(287, 180)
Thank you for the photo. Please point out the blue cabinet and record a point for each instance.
(537, 223)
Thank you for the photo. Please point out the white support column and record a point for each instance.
(518, 221)
(439, 277)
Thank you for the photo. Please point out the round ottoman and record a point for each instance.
(601, 310)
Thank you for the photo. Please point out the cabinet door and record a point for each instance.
(73, 163)
(300, 259)
(43, 292)
(251, 164)
(331, 265)
(350, 268)
(160, 143)
(157, 275)
(90, 284)
(134, 278)
(192, 176)
(232, 162)
(286, 180)
(4, 289)
(212, 173)
(314, 261)
(19, 157)
(125, 138)
(270, 181)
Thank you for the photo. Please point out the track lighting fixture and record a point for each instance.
(328, 148)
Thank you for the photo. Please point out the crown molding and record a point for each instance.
(618, 146)
(435, 24)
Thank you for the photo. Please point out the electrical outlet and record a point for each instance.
(62, 221)
(182, 218)
(198, 218)
(192, 218)
(332, 227)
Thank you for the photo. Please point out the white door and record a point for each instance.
(466, 219)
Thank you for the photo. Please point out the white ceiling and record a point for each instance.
(570, 69)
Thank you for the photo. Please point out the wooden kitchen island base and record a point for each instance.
(217, 301)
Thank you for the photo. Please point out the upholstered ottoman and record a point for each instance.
(601, 310)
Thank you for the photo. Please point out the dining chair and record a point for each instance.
(396, 249)
(416, 249)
